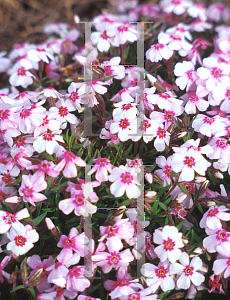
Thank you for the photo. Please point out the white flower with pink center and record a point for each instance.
(102, 39)
(57, 293)
(193, 102)
(218, 11)
(102, 167)
(158, 52)
(208, 126)
(30, 187)
(166, 170)
(112, 68)
(162, 139)
(40, 54)
(49, 123)
(123, 126)
(178, 7)
(212, 218)
(222, 264)
(200, 26)
(215, 238)
(113, 259)
(186, 75)
(79, 203)
(73, 242)
(165, 100)
(48, 142)
(146, 128)
(30, 117)
(74, 97)
(221, 149)
(170, 240)
(124, 180)
(125, 109)
(213, 73)
(69, 162)
(198, 10)
(51, 92)
(187, 271)
(160, 272)
(20, 76)
(174, 42)
(8, 220)
(223, 93)
(22, 239)
(76, 281)
(123, 32)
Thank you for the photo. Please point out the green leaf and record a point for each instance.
(180, 225)
(19, 287)
(126, 53)
(39, 219)
(32, 292)
(163, 205)
(183, 188)
(108, 78)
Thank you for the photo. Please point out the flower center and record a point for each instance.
(48, 136)
(208, 120)
(169, 244)
(188, 271)
(159, 46)
(126, 178)
(161, 133)
(6, 178)
(213, 212)
(104, 36)
(74, 96)
(4, 114)
(168, 170)
(20, 240)
(20, 142)
(193, 98)
(22, 71)
(161, 272)
(25, 113)
(126, 106)
(222, 235)
(108, 70)
(216, 73)
(63, 111)
(28, 192)
(164, 95)
(221, 144)
(124, 123)
(189, 161)
(144, 125)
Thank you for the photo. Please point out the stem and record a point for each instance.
(172, 188)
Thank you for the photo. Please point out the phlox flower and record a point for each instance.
(223, 93)
(177, 7)
(123, 126)
(125, 109)
(165, 100)
(102, 39)
(175, 42)
(123, 286)
(75, 281)
(213, 73)
(123, 32)
(22, 239)
(161, 273)
(124, 180)
(222, 263)
(146, 129)
(8, 117)
(135, 163)
(57, 293)
(102, 167)
(79, 203)
(215, 237)
(193, 102)
(200, 26)
(74, 97)
(6, 135)
(214, 283)
(73, 242)
(162, 139)
(83, 297)
(218, 12)
(122, 228)
(212, 218)
(40, 54)
(20, 76)
(112, 68)
(170, 240)
(48, 142)
(186, 75)
(208, 126)
(113, 259)
(158, 52)
(3, 273)
(49, 122)
(68, 162)
(221, 149)
(30, 187)
(187, 271)
(45, 167)
(166, 169)
(8, 220)
(181, 30)
(51, 92)
(198, 10)
(4, 62)
(35, 263)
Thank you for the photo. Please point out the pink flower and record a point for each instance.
(170, 240)
(73, 242)
(57, 293)
(186, 75)
(187, 271)
(22, 239)
(211, 219)
(69, 162)
(102, 167)
(48, 142)
(124, 180)
(8, 220)
(3, 273)
(45, 167)
(76, 281)
(161, 273)
(30, 187)
(216, 237)
(113, 259)
(215, 284)
(222, 264)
